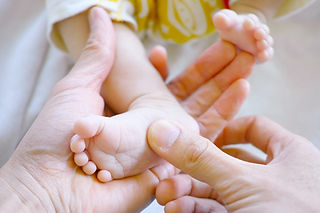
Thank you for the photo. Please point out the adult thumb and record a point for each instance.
(193, 154)
(97, 57)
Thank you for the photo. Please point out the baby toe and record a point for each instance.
(254, 18)
(89, 126)
(265, 28)
(270, 52)
(89, 168)
(228, 13)
(265, 55)
(81, 159)
(224, 19)
(221, 22)
(77, 144)
(248, 24)
(259, 34)
(270, 40)
(104, 176)
(262, 45)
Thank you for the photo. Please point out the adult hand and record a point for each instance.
(212, 89)
(41, 176)
(287, 182)
(41, 173)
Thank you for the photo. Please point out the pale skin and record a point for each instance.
(288, 181)
(116, 146)
(245, 26)
(41, 176)
(134, 87)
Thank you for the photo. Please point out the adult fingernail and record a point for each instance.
(163, 134)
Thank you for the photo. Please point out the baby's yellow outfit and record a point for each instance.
(175, 21)
(171, 20)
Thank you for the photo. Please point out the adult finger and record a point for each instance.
(206, 94)
(193, 154)
(241, 67)
(210, 62)
(213, 121)
(127, 189)
(243, 155)
(261, 132)
(182, 185)
(158, 58)
(190, 204)
(97, 57)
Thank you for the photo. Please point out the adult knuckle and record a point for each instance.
(260, 119)
(196, 153)
(93, 44)
(97, 50)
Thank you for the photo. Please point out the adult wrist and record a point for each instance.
(20, 192)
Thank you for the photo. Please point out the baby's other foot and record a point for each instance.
(246, 32)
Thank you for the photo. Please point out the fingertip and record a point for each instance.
(182, 204)
(162, 192)
(93, 14)
(244, 84)
(231, 101)
(170, 207)
(173, 188)
(244, 87)
(96, 14)
(100, 46)
(160, 49)
(158, 58)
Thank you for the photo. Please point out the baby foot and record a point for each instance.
(246, 32)
(117, 146)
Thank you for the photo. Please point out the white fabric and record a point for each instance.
(28, 68)
(59, 10)
(285, 89)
